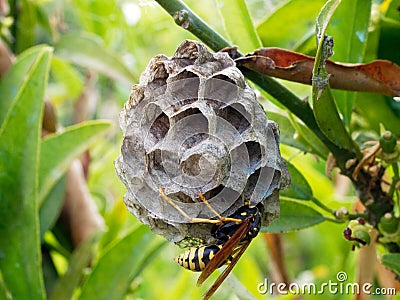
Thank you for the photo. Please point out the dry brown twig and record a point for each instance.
(79, 208)
(6, 58)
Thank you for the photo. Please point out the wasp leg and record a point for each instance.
(196, 220)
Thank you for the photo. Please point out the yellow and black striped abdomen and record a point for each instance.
(196, 259)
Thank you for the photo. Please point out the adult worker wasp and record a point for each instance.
(233, 235)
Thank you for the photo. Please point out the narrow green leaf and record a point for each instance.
(50, 210)
(324, 49)
(115, 269)
(307, 137)
(329, 121)
(80, 259)
(115, 221)
(20, 259)
(15, 78)
(4, 292)
(299, 187)
(287, 131)
(27, 21)
(50, 273)
(325, 110)
(291, 25)
(69, 81)
(294, 216)
(392, 261)
(238, 25)
(349, 27)
(238, 288)
(389, 32)
(150, 255)
(60, 149)
(90, 52)
(376, 110)
(297, 135)
(325, 16)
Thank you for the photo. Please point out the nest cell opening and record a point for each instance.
(251, 184)
(180, 197)
(237, 116)
(159, 128)
(224, 78)
(183, 89)
(255, 156)
(191, 165)
(214, 192)
(163, 165)
(192, 126)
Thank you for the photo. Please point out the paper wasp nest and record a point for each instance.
(193, 125)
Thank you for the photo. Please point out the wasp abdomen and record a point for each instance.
(197, 258)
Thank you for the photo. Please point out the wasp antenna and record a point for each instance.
(209, 206)
(194, 220)
(221, 218)
(165, 197)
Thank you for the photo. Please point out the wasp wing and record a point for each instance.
(226, 251)
(226, 272)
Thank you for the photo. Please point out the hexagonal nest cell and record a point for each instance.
(193, 125)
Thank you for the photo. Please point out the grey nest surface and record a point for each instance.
(193, 125)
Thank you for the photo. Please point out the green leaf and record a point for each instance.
(295, 134)
(103, 16)
(287, 131)
(89, 51)
(294, 216)
(308, 138)
(324, 50)
(15, 78)
(238, 25)
(299, 187)
(349, 27)
(329, 121)
(27, 21)
(392, 261)
(118, 266)
(291, 25)
(20, 259)
(4, 292)
(376, 110)
(69, 80)
(115, 220)
(325, 16)
(390, 32)
(50, 273)
(80, 259)
(50, 210)
(325, 110)
(60, 149)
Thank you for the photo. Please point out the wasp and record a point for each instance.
(233, 235)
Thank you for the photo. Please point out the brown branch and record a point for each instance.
(87, 99)
(366, 267)
(79, 207)
(6, 58)
(275, 248)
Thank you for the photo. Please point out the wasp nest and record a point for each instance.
(193, 125)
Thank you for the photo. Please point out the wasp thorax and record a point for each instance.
(192, 125)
